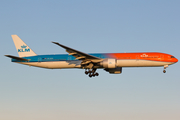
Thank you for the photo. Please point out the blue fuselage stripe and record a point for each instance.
(58, 57)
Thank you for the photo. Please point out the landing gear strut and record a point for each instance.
(92, 73)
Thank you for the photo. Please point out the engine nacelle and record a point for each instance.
(117, 70)
(109, 63)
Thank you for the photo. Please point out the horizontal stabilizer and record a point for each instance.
(17, 58)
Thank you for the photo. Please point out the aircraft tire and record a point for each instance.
(86, 72)
(90, 75)
(97, 74)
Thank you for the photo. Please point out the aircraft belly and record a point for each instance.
(54, 65)
(62, 64)
(140, 63)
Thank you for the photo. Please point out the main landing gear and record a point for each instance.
(165, 66)
(92, 73)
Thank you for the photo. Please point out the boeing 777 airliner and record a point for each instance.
(110, 62)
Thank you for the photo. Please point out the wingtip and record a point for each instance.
(55, 42)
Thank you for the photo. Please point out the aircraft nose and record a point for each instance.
(176, 60)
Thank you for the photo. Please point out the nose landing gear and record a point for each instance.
(92, 73)
(165, 66)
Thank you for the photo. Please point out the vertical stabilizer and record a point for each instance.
(21, 47)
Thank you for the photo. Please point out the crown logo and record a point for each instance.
(144, 55)
(23, 46)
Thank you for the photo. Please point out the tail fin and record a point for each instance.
(21, 47)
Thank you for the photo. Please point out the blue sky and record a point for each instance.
(92, 27)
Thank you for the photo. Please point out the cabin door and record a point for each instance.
(39, 59)
(162, 57)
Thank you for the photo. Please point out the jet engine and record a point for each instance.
(109, 63)
(117, 70)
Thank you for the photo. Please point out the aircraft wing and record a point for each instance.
(79, 55)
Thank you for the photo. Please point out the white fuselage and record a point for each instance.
(77, 64)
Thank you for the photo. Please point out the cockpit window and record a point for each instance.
(172, 57)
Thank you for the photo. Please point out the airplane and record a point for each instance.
(110, 62)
